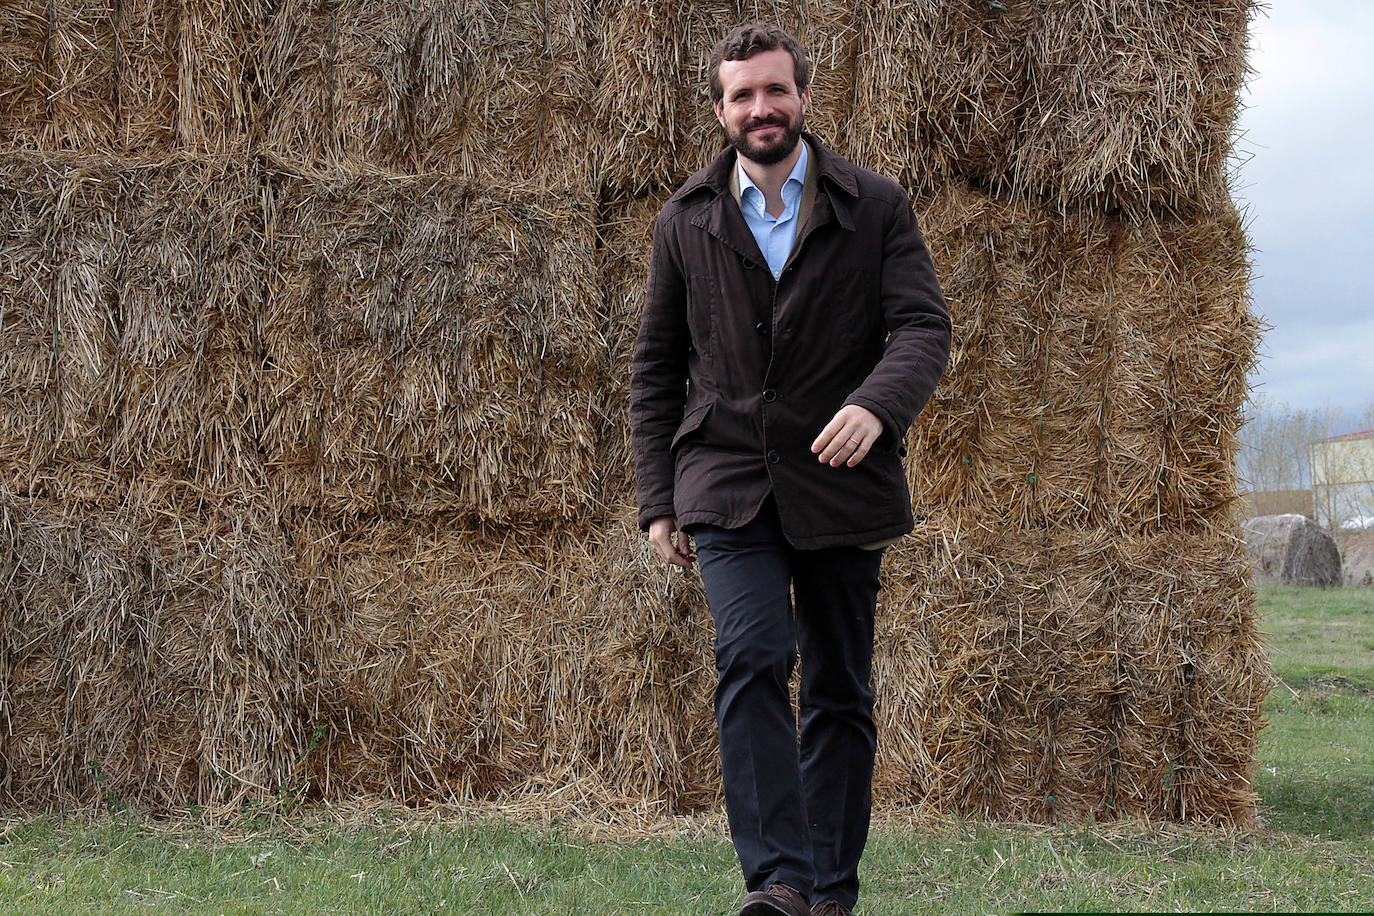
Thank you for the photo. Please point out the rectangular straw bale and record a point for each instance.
(1187, 340)
(1132, 104)
(182, 393)
(151, 652)
(1193, 674)
(364, 319)
(633, 677)
(120, 77)
(334, 79)
(197, 418)
(59, 244)
(973, 446)
(23, 78)
(73, 652)
(193, 266)
(430, 657)
(429, 342)
(640, 96)
(941, 672)
(993, 675)
(492, 91)
(1228, 675)
(938, 90)
(502, 94)
(185, 73)
(1098, 368)
(150, 40)
(228, 653)
(1054, 731)
(462, 664)
(1071, 674)
(58, 65)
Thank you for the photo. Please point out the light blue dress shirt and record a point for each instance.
(775, 235)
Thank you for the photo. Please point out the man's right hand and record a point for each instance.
(671, 544)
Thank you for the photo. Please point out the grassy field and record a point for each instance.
(1313, 850)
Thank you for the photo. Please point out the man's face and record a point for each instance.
(761, 110)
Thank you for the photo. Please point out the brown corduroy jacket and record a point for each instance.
(735, 374)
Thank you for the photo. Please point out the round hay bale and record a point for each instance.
(1357, 558)
(1292, 550)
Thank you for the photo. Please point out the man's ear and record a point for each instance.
(720, 114)
(806, 98)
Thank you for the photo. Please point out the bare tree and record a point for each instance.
(1274, 442)
(1277, 453)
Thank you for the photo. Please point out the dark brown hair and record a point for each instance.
(744, 41)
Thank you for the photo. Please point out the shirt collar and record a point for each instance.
(797, 175)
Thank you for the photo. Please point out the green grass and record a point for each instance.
(1317, 755)
(1318, 634)
(1313, 850)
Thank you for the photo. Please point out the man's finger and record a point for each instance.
(661, 532)
(851, 445)
(684, 549)
(827, 438)
(848, 437)
(832, 441)
(859, 453)
(845, 439)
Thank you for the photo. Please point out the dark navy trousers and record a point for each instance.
(798, 803)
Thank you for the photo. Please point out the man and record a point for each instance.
(792, 330)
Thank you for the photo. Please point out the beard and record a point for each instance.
(768, 153)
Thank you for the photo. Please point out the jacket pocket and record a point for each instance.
(691, 422)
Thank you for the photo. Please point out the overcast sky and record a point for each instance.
(1307, 183)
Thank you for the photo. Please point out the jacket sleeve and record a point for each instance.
(658, 385)
(918, 329)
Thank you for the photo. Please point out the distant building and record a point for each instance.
(1343, 480)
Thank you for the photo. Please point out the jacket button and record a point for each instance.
(761, 328)
(749, 264)
(769, 395)
(773, 456)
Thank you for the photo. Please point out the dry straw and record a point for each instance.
(134, 78)
(457, 664)
(1124, 106)
(149, 653)
(1098, 372)
(1041, 675)
(433, 346)
(312, 423)
(58, 236)
(492, 91)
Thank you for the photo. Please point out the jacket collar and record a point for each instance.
(716, 175)
(727, 223)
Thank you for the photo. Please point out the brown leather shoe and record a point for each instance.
(831, 908)
(778, 899)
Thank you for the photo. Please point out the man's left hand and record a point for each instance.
(847, 438)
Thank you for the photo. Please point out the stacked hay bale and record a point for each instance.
(314, 475)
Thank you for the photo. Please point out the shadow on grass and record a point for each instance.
(1334, 808)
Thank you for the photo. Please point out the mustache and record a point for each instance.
(772, 121)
